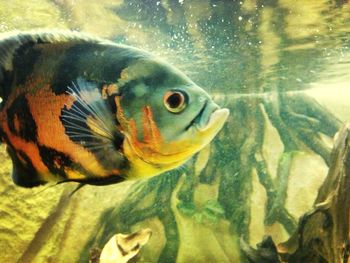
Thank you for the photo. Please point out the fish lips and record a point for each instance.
(210, 114)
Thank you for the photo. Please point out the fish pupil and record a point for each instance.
(174, 100)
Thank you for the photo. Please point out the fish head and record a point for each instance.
(164, 116)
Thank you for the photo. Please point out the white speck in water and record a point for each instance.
(181, 2)
(240, 18)
(158, 3)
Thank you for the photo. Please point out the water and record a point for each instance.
(282, 67)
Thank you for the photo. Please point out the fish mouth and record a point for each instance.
(197, 118)
(218, 116)
(209, 114)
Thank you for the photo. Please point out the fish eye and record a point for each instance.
(175, 101)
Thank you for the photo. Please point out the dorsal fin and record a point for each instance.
(11, 41)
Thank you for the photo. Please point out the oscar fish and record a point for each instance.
(84, 109)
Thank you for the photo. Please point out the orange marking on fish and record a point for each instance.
(45, 108)
(116, 172)
(133, 130)
(147, 132)
(112, 89)
(151, 132)
(109, 90)
(127, 127)
(29, 148)
(152, 141)
(120, 114)
(51, 131)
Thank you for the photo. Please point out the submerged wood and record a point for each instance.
(323, 233)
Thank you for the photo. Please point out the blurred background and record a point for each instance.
(281, 66)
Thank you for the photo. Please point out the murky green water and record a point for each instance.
(282, 67)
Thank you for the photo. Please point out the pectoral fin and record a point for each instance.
(90, 122)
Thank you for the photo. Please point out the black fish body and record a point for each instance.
(78, 108)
